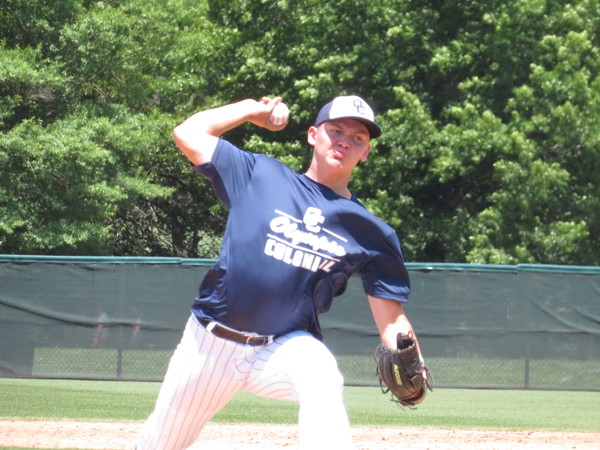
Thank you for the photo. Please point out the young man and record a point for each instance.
(291, 242)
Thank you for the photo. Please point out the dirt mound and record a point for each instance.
(109, 435)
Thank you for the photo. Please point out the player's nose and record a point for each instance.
(343, 140)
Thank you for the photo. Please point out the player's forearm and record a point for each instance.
(390, 320)
(196, 137)
(218, 121)
(390, 331)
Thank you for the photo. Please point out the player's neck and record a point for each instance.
(337, 184)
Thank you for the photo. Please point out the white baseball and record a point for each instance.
(280, 114)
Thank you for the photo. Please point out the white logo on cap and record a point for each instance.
(360, 107)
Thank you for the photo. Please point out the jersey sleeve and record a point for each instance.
(385, 276)
(229, 171)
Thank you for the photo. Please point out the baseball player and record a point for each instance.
(291, 242)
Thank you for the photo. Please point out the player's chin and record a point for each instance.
(336, 160)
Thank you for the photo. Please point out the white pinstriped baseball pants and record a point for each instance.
(205, 372)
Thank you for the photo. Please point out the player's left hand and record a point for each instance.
(402, 371)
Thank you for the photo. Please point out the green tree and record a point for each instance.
(490, 111)
(513, 93)
(63, 182)
(96, 93)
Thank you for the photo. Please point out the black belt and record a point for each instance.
(223, 332)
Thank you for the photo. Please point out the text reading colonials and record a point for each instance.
(312, 248)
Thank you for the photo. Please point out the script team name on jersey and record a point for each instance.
(304, 243)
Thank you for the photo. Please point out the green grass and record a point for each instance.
(443, 408)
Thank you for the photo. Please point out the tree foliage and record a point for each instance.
(490, 112)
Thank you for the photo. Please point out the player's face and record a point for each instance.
(340, 143)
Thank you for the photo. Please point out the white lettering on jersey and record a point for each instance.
(295, 257)
(308, 249)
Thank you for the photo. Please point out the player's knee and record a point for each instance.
(326, 371)
(322, 383)
(334, 379)
(314, 368)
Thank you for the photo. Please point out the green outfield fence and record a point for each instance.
(480, 326)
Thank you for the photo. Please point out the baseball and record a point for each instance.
(280, 114)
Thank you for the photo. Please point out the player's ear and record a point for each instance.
(365, 154)
(312, 135)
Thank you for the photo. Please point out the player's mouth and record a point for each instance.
(338, 154)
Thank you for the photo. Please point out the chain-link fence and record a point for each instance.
(521, 327)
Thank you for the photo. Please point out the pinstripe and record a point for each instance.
(181, 420)
(205, 372)
(197, 375)
(279, 368)
(194, 390)
(211, 389)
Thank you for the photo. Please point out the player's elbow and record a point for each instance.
(179, 133)
(196, 145)
(179, 137)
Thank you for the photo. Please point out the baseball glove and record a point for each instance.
(402, 372)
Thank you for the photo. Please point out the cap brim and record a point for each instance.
(374, 129)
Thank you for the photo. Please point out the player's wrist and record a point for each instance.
(255, 112)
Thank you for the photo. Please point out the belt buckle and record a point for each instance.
(269, 339)
(211, 325)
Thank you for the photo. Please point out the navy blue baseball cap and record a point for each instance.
(350, 107)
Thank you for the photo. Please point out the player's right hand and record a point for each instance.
(265, 109)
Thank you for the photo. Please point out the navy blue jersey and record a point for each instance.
(289, 247)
